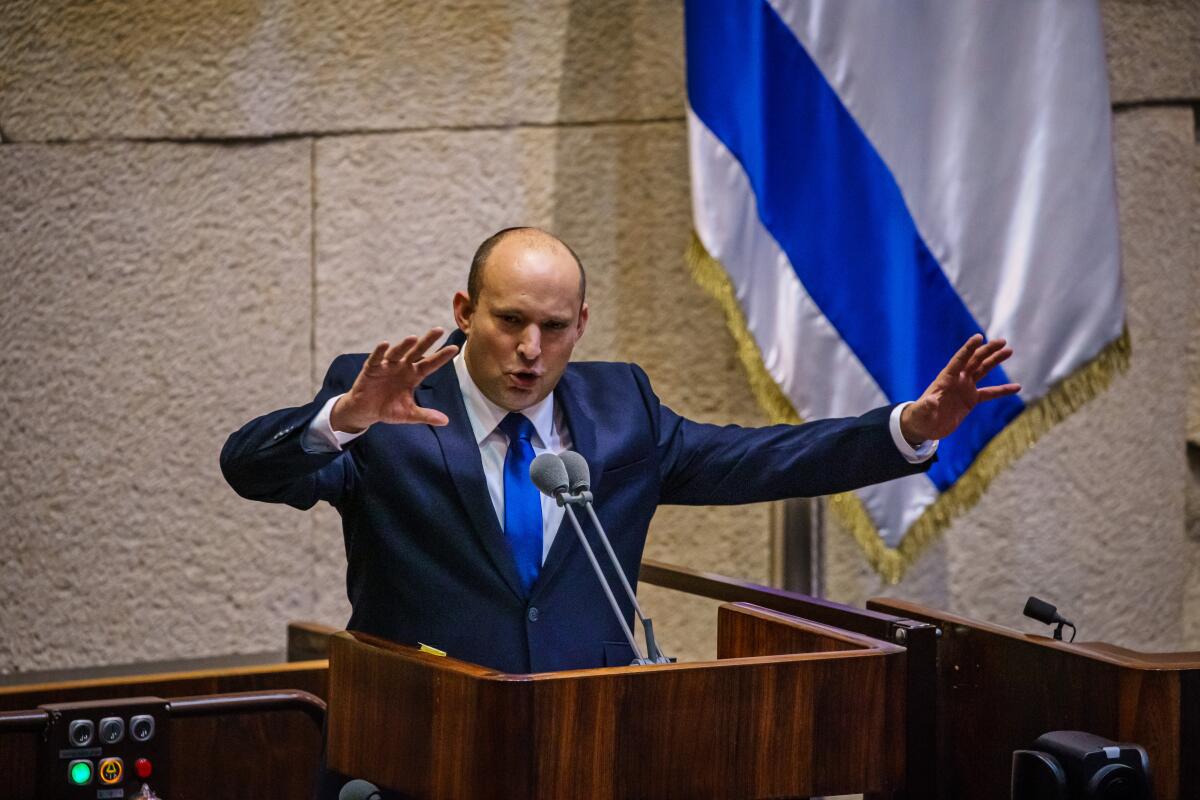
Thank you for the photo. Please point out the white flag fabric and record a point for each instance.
(875, 182)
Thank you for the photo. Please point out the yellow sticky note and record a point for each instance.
(433, 650)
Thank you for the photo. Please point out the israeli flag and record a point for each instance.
(874, 182)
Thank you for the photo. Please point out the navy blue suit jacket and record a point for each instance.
(427, 558)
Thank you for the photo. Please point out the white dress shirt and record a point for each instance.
(550, 436)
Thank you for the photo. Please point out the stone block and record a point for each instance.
(399, 216)
(210, 68)
(1092, 516)
(156, 297)
(1153, 49)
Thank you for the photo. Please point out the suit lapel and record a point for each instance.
(461, 452)
(579, 422)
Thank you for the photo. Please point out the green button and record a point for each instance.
(80, 772)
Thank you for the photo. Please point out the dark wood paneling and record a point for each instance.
(999, 689)
(821, 722)
(919, 684)
(733, 590)
(267, 755)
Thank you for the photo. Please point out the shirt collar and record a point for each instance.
(485, 415)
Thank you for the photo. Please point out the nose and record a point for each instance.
(530, 346)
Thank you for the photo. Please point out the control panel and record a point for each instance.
(105, 750)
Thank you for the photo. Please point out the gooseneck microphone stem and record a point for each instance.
(587, 548)
(565, 478)
(613, 557)
(655, 655)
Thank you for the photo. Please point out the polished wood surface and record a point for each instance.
(734, 590)
(918, 637)
(998, 689)
(308, 641)
(824, 721)
(266, 755)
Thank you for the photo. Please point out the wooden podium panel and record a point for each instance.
(998, 689)
(789, 709)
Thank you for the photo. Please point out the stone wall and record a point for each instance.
(202, 202)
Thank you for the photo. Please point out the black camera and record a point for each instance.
(1073, 765)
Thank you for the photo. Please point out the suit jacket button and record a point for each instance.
(533, 615)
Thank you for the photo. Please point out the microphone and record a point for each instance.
(549, 475)
(579, 475)
(358, 789)
(579, 478)
(1045, 613)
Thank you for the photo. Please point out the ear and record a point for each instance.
(463, 311)
(582, 324)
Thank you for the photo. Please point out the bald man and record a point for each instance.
(425, 455)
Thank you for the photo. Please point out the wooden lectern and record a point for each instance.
(998, 689)
(789, 709)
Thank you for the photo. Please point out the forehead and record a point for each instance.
(537, 269)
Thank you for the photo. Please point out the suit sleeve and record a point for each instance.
(265, 460)
(701, 464)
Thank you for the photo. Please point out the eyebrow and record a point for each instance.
(516, 312)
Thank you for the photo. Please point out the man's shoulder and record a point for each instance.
(608, 377)
(343, 370)
(604, 370)
(348, 361)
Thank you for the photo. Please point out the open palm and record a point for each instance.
(383, 390)
(955, 391)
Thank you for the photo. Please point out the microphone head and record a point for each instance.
(1041, 611)
(359, 789)
(578, 474)
(548, 474)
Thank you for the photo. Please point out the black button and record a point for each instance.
(112, 730)
(533, 615)
(141, 727)
(80, 732)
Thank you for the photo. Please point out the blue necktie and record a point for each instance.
(522, 501)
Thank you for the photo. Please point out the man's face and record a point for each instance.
(526, 321)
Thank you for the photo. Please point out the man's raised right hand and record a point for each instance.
(383, 390)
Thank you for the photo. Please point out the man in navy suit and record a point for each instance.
(426, 458)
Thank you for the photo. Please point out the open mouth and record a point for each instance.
(524, 378)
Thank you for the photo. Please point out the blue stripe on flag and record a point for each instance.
(833, 206)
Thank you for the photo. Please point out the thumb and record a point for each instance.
(429, 416)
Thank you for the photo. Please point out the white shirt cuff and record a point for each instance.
(320, 437)
(913, 455)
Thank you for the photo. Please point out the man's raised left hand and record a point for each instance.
(955, 391)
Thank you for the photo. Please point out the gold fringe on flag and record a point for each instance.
(1063, 399)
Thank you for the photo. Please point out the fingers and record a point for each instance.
(986, 365)
(975, 365)
(963, 357)
(435, 361)
(992, 392)
(376, 357)
(418, 350)
(397, 351)
(411, 348)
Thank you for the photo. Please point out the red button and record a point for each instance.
(143, 768)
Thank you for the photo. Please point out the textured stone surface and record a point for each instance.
(1153, 49)
(398, 217)
(194, 263)
(1092, 517)
(155, 296)
(186, 68)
